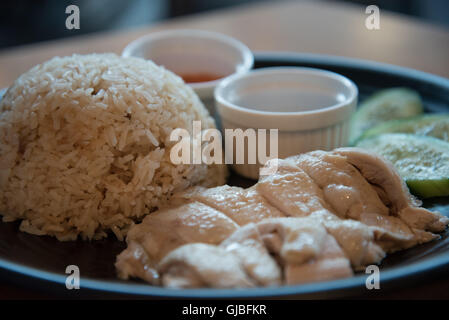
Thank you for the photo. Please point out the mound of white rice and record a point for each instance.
(84, 145)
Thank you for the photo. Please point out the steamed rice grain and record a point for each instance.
(84, 145)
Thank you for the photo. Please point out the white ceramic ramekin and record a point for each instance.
(310, 108)
(193, 52)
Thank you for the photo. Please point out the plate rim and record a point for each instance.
(355, 284)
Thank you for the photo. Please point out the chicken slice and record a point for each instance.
(291, 190)
(160, 231)
(201, 265)
(344, 188)
(248, 245)
(165, 230)
(366, 241)
(392, 233)
(351, 195)
(395, 193)
(357, 240)
(249, 263)
(292, 240)
(241, 205)
(294, 192)
(304, 249)
(134, 262)
(329, 264)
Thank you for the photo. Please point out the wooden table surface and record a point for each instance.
(314, 27)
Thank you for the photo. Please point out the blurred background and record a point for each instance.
(27, 21)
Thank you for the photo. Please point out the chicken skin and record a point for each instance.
(319, 216)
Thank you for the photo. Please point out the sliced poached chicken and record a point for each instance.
(165, 230)
(318, 217)
(241, 205)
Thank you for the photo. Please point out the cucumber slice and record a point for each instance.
(388, 104)
(433, 125)
(422, 161)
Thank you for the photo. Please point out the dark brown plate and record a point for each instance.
(40, 262)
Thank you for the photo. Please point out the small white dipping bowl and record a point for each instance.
(311, 108)
(194, 52)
